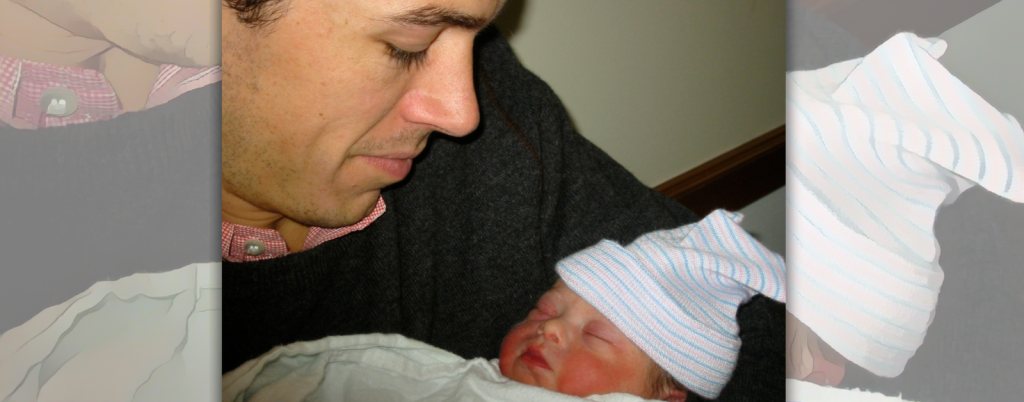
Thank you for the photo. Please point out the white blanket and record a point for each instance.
(378, 367)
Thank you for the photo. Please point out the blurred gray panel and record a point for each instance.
(874, 21)
(813, 42)
(974, 350)
(99, 201)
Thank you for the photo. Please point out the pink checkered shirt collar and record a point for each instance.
(233, 237)
(22, 83)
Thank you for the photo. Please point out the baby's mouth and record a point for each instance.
(533, 357)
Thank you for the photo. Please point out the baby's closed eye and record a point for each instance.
(538, 315)
(598, 333)
(545, 310)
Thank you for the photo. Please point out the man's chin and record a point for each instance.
(342, 215)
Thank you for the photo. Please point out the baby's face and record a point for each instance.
(567, 346)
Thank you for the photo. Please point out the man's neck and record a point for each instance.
(235, 210)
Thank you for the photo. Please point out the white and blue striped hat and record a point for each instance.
(875, 146)
(675, 293)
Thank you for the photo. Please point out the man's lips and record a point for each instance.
(533, 357)
(397, 166)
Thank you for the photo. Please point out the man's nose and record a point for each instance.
(442, 94)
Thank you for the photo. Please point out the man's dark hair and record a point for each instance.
(258, 13)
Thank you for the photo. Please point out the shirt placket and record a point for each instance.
(51, 96)
(254, 244)
(10, 73)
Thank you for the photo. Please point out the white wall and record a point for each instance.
(661, 85)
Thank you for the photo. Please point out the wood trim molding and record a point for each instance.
(734, 179)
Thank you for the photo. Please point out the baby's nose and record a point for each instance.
(552, 332)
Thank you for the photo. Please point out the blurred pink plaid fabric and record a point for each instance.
(22, 83)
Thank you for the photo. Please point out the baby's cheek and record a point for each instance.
(584, 374)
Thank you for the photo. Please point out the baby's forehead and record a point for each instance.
(563, 293)
(561, 290)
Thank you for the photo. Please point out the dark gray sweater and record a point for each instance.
(470, 239)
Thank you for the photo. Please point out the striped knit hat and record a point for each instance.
(675, 293)
(876, 145)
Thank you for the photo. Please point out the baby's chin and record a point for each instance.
(513, 374)
(506, 358)
(506, 364)
(503, 364)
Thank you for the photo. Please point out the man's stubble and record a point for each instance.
(244, 155)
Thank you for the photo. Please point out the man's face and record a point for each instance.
(566, 345)
(331, 102)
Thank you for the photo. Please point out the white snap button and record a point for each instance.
(58, 102)
(254, 247)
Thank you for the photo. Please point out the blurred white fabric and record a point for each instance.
(802, 391)
(145, 337)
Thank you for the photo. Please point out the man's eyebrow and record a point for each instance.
(434, 16)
